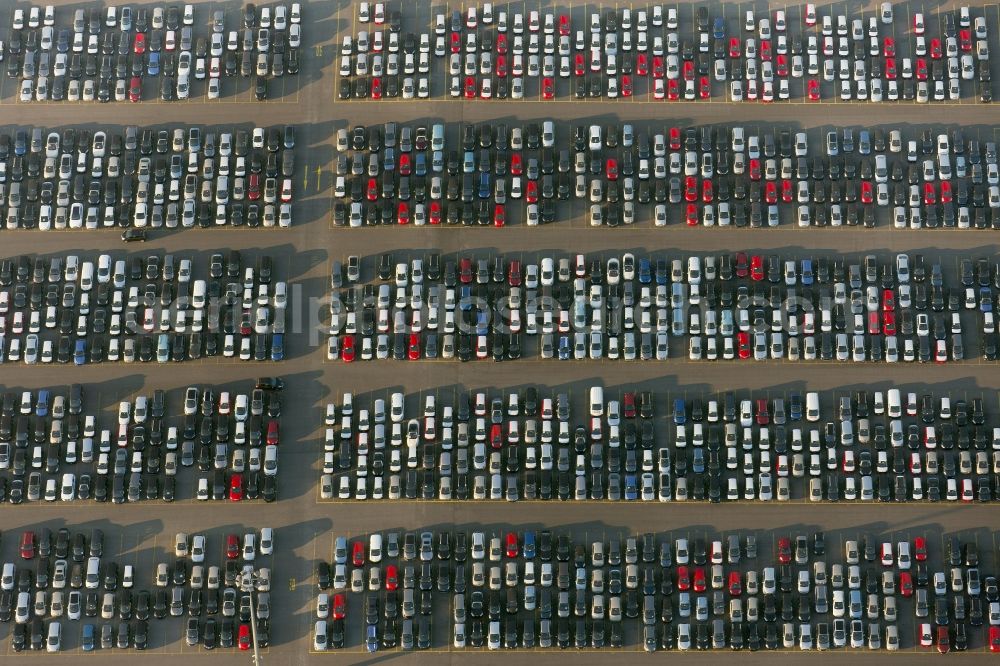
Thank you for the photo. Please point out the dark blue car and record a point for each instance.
(153, 66)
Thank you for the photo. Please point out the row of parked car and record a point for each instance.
(72, 581)
(725, 448)
(525, 590)
(146, 177)
(731, 307)
(66, 577)
(109, 53)
(47, 452)
(622, 57)
(132, 307)
(713, 176)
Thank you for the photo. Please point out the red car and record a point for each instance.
(690, 188)
(921, 69)
(626, 85)
(272, 432)
(139, 46)
(501, 67)
(873, 323)
(742, 265)
(943, 640)
(683, 579)
(531, 192)
(935, 49)
(867, 196)
(511, 544)
(781, 65)
(688, 71)
(890, 69)
(743, 345)
(253, 189)
(339, 606)
(496, 436)
(704, 88)
(27, 545)
(965, 40)
(945, 191)
(499, 215)
(579, 64)
(889, 47)
(888, 300)
(771, 192)
(413, 349)
(994, 640)
(628, 405)
(756, 268)
(905, 584)
(735, 584)
(232, 547)
(763, 412)
(465, 275)
(372, 191)
(658, 67)
(813, 90)
(707, 193)
(754, 169)
(244, 637)
(235, 487)
(516, 166)
(514, 273)
(691, 215)
(786, 191)
(673, 90)
(612, 169)
(358, 553)
(501, 44)
(391, 578)
(435, 212)
(641, 65)
(765, 50)
(548, 88)
(734, 47)
(889, 323)
(920, 549)
(470, 87)
(675, 138)
(784, 550)
(456, 42)
(347, 348)
(563, 24)
(403, 213)
(699, 582)
(376, 90)
(930, 195)
(135, 89)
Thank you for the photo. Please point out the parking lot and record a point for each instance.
(306, 526)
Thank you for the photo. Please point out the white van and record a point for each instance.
(93, 578)
(270, 460)
(87, 276)
(895, 404)
(596, 401)
(375, 548)
(812, 406)
(198, 294)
